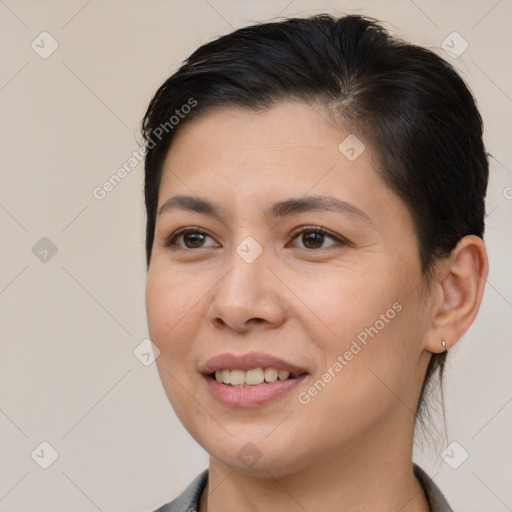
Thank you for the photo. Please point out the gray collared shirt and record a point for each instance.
(188, 500)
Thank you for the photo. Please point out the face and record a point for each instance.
(274, 251)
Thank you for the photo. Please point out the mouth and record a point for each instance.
(253, 377)
(250, 380)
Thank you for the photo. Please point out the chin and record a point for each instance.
(253, 451)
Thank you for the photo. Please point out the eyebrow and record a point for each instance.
(280, 209)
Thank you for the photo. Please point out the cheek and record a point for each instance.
(172, 307)
(373, 341)
(350, 302)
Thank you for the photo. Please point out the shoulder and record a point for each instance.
(435, 497)
(188, 500)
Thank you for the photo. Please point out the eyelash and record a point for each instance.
(317, 229)
(171, 240)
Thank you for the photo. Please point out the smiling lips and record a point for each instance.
(250, 380)
(252, 377)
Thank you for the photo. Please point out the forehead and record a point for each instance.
(291, 141)
(291, 125)
(239, 157)
(288, 147)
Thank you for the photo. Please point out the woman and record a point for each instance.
(315, 211)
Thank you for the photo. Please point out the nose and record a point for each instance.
(247, 297)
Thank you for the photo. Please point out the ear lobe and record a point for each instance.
(459, 282)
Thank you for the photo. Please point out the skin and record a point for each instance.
(350, 447)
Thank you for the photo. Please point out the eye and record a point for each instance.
(190, 238)
(312, 237)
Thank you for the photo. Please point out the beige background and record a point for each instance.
(69, 324)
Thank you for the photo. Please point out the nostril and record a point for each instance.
(218, 322)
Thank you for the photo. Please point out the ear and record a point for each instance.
(457, 289)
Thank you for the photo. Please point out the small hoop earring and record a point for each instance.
(444, 345)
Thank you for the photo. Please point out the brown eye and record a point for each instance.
(193, 240)
(316, 238)
(313, 240)
(190, 239)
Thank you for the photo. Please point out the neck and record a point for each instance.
(367, 476)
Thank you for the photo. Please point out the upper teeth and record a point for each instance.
(250, 377)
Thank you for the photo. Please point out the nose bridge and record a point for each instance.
(247, 263)
(245, 292)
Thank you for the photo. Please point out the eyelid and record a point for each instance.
(170, 240)
(298, 231)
